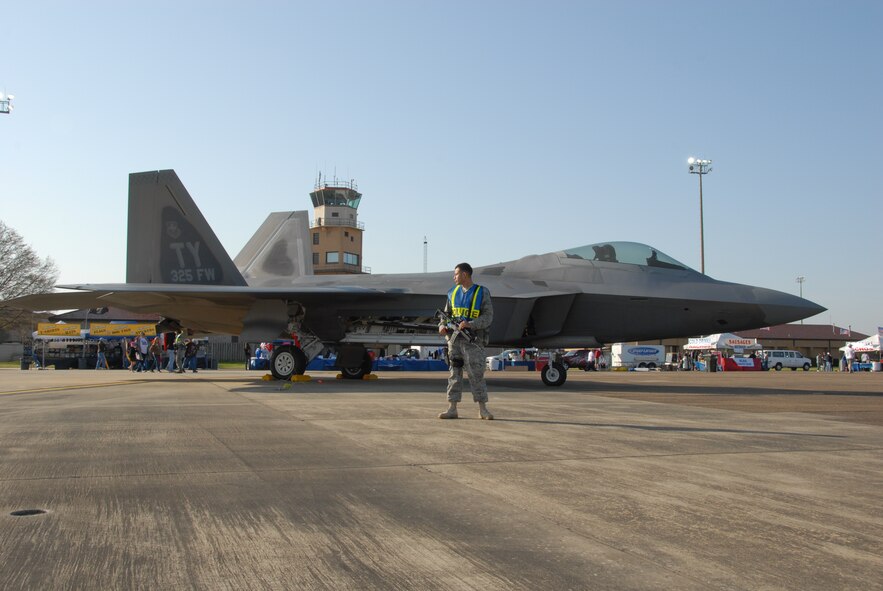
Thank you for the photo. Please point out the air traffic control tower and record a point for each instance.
(336, 229)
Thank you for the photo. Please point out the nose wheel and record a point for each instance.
(554, 374)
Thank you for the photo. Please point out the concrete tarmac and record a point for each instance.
(218, 480)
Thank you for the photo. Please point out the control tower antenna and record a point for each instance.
(6, 103)
(425, 254)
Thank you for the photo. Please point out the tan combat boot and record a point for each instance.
(451, 413)
(484, 413)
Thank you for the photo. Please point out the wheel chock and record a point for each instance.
(370, 376)
(267, 377)
(303, 378)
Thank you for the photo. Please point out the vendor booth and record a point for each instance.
(67, 346)
(869, 346)
(717, 346)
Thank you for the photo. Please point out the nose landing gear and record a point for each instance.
(554, 374)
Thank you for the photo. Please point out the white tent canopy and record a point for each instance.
(724, 340)
(868, 345)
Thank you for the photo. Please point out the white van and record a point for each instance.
(778, 359)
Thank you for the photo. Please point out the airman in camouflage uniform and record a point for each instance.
(470, 306)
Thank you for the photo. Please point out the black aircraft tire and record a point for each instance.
(554, 374)
(287, 361)
(358, 372)
(300, 361)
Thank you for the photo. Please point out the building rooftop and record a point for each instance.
(805, 332)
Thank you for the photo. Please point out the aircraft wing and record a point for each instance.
(58, 301)
(203, 308)
(230, 309)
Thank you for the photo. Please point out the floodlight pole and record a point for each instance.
(700, 167)
(800, 279)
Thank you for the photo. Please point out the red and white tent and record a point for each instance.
(721, 341)
(868, 345)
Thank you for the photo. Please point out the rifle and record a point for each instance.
(452, 327)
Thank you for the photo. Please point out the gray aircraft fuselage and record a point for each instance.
(545, 301)
(554, 301)
(580, 297)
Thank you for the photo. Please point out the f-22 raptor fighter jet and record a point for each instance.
(579, 297)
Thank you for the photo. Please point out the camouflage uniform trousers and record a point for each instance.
(474, 361)
(179, 358)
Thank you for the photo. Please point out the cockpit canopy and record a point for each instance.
(630, 253)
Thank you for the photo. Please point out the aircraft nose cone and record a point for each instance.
(781, 308)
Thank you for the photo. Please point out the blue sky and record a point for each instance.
(496, 129)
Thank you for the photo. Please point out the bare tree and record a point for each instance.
(22, 273)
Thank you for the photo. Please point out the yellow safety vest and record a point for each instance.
(464, 306)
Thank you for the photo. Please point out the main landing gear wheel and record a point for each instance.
(359, 371)
(287, 361)
(554, 374)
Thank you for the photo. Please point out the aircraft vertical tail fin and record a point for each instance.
(279, 250)
(169, 240)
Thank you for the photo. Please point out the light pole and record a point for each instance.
(800, 279)
(700, 167)
(6, 104)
